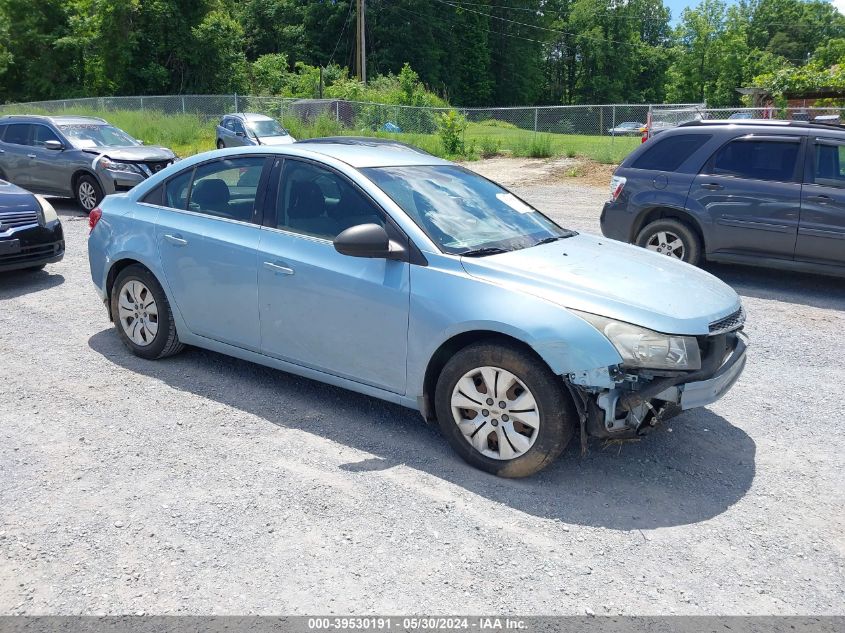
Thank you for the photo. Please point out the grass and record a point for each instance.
(188, 134)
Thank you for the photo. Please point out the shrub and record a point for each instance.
(451, 126)
(497, 123)
(540, 146)
(490, 147)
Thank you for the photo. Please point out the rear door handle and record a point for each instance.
(819, 199)
(176, 240)
(30, 155)
(279, 269)
(712, 186)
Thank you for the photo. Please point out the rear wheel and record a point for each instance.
(503, 410)
(142, 314)
(671, 238)
(88, 193)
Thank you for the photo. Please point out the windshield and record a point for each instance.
(266, 128)
(463, 212)
(86, 135)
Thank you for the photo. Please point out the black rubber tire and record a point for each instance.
(692, 243)
(166, 341)
(98, 191)
(220, 144)
(558, 418)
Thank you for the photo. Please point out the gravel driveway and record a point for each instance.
(204, 484)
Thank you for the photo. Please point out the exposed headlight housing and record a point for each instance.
(112, 165)
(646, 349)
(47, 213)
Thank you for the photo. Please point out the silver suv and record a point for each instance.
(81, 157)
(247, 129)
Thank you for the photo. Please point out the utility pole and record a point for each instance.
(360, 42)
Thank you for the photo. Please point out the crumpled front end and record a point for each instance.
(621, 402)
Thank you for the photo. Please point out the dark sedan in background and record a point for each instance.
(30, 231)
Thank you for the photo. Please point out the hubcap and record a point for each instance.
(496, 412)
(87, 196)
(667, 243)
(138, 313)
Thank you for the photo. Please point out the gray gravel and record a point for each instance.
(203, 484)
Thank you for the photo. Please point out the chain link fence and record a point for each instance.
(594, 120)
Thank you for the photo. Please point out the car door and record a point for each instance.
(821, 230)
(751, 191)
(48, 167)
(346, 316)
(239, 136)
(227, 132)
(207, 239)
(14, 160)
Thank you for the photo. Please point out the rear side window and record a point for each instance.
(757, 160)
(669, 153)
(17, 134)
(2, 131)
(176, 190)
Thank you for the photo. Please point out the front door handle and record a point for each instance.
(712, 186)
(279, 269)
(30, 155)
(820, 199)
(176, 240)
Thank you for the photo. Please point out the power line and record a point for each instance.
(488, 30)
(342, 31)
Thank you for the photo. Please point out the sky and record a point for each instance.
(678, 6)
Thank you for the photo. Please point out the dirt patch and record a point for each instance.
(515, 172)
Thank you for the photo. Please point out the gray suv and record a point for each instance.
(761, 192)
(248, 129)
(81, 157)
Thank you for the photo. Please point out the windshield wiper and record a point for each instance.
(554, 238)
(481, 252)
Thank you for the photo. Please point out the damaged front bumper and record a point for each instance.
(624, 403)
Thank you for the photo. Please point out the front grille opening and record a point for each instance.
(728, 324)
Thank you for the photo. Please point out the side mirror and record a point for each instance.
(139, 141)
(54, 145)
(366, 240)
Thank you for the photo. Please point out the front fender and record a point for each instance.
(446, 302)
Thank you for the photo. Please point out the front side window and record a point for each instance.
(321, 203)
(227, 188)
(17, 134)
(757, 160)
(42, 134)
(90, 135)
(829, 165)
(462, 212)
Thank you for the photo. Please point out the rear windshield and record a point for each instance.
(670, 152)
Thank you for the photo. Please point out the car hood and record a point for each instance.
(15, 200)
(137, 153)
(287, 139)
(612, 279)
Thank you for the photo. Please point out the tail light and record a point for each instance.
(93, 218)
(617, 184)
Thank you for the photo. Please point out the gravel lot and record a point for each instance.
(203, 484)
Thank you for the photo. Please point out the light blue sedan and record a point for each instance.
(376, 267)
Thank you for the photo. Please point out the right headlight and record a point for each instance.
(644, 348)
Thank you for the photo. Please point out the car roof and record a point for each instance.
(369, 152)
(56, 120)
(250, 116)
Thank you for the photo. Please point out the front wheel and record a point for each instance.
(671, 238)
(142, 314)
(88, 193)
(503, 410)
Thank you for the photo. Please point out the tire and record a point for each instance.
(220, 144)
(661, 235)
(534, 438)
(88, 193)
(145, 336)
(35, 269)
